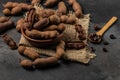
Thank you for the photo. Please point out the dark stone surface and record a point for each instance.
(106, 66)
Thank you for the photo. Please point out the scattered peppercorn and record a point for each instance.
(96, 28)
(112, 36)
(105, 50)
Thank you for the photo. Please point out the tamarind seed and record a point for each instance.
(96, 28)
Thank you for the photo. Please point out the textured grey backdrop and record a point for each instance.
(106, 66)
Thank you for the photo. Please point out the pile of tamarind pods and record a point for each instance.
(47, 24)
(14, 8)
(38, 62)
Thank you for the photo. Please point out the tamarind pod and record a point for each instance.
(51, 28)
(78, 10)
(76, 45)
(28, 52)
(3, 19)
(50, 3)
(71, 19)
(61, 27)
(30, 18)
(6, 25)
(35, 34)
(26, 64)
(60, 49)
(62, 8)
(54, 19)
(9, 41)
(45, 62)
(41, 24)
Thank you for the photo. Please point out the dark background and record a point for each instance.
(106, 66)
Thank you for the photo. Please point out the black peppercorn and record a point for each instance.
(112, 36)
(105, 50)
(96, 28)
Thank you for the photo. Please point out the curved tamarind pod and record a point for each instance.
(30, 53)
(60, 49)
(78, 10)
(9, 41)
(41, 24)
(30, 19)
(45, 62)
(26, 64)
(76, 7)
(35, 34)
